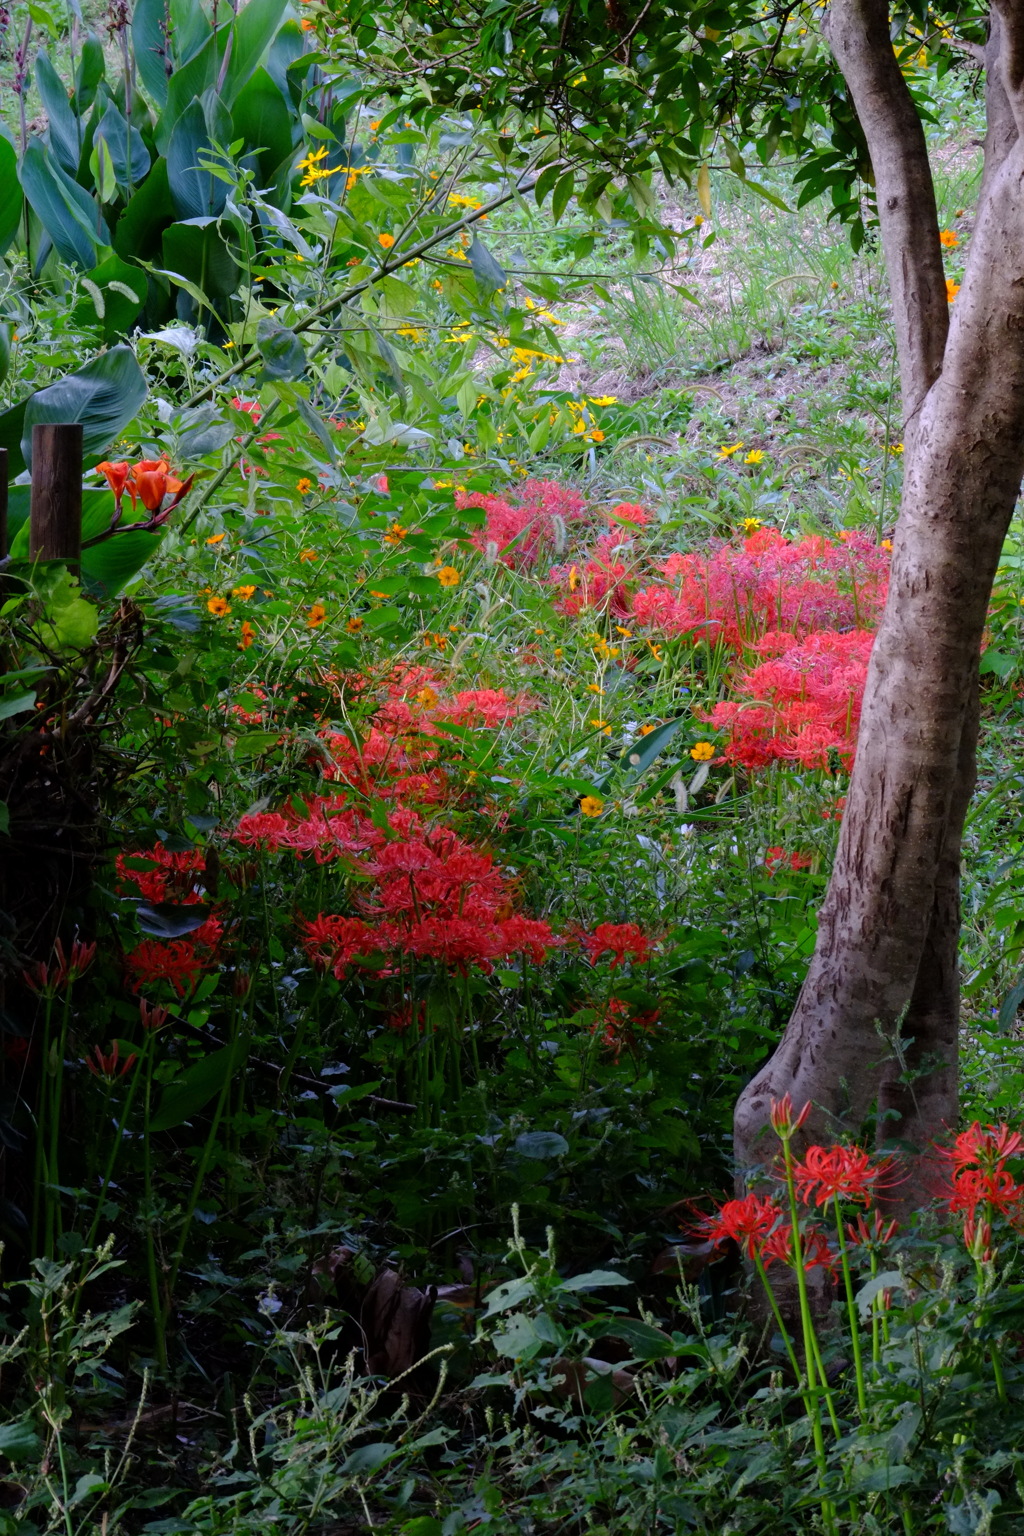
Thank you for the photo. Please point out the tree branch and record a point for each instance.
(858, 34)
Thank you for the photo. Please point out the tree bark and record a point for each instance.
(885, 961)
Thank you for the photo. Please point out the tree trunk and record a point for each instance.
(885, 965)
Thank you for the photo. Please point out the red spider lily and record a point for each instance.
(995, 1190)
(151, 1016)
(780, 1114)
(978, 1240)
(181, 962)
(814, 1249)
(107, 1066)
(618, 1023)
(336, 942)
(617, 940)
(52, 976)
(879, 1232)
(746, 1222)
(777, 858)
(838, 1173)
(988, 1146)
(527, 936)
(519, 531)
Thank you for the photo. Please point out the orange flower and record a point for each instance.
(949, 238)
(448, 576)
(354, 625)
(243, 592)
(952, 289)
(317, 614)
(219, 607)
(591, 805)
(395, 534)
(248, 636)
(306, 555)
(387, 241)
(118, 477)
(304, 486)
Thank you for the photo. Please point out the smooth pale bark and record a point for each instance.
(886, 958)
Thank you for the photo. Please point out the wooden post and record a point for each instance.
(55, 510)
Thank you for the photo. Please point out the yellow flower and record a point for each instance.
(304, 486)
(427, 697)
(726, 451)
(702, 752)
(305, 555)
(952, 289)
(949, 238)
(317, 614)
(595, 688)
(395, 534)
(559, 651)
(591, 805)
(354, 625)
(375, 124)
(602, 726)
(627, 634)
(386, 241)
(754, 456)
(887, 545)
(645, 730)
(655, 650)
(219, 607)
(215, 538)
(243, 592)
(596, 435)
(750, 524)
(456, 200)
(574, 578)
(895, 448)
(603, 399)
(448, 576)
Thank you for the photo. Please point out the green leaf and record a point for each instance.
(195, 193)
(769, 197)
(16, 703)
(101, 169)
(104, 396)
(266, 124)
(151, 48)
(594, 1280)
(139, 229)
(541, 1144)
(194, 1089)
(18, 1441)
(255, 744)
(65, 127)
(367, 1458)
(490, 277)
(199, 259)
(69, 215)
(5, 350)
(643, 753)
(109, 566)
(562, 193)
(129, 157)
(123, 290)
(91, 70)
(11, 199)
(281, 351)
(252, 34)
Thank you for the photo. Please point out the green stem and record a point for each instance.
(151, 1265)
(851, 1312)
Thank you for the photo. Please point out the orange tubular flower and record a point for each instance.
(119, 477)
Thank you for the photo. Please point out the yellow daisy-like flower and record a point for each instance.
(887, 545)
(655, 650)
(243, 592)
(306, 555)
(448, 576)
(354, 625)
(596, 435)
(702, 752)
(727, 450)
(645, 730)
(395, 534)
(603, 399)
(248, 636)
(949, 238)
(317, 615)
(952, 289)
(895, 449)
(750, 524)
(386, 241)
(219, 607)
(427, 697)
(591, 805)
(216, 538)
(304, 486)
(595, 688)
(754, 456)
(602, 726)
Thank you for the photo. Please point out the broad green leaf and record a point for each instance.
(129, 156)
(69, 215)
(16, 703)
(643, 752)
(252, 34)
(18, 1441)
(189, 83)
(101, 169)
(138, 232)
(122, 291)
(104, 396)
(198, 257)
(151, 47)
(91, 70)
(195, 193)
(194, 1089)
(594, 1279)
(704, 190)
(541, 1144)
(108, 567)
(268, 127)
(64, 125)
(11, 199)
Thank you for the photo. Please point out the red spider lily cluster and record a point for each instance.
(982, 1184)
(517, 531)
(800, 705)
(160, 875)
